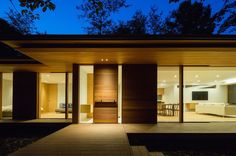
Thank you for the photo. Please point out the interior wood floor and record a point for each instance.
(188, 117)
(54, 115)
(194, 117)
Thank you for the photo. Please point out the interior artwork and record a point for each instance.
(199, 95)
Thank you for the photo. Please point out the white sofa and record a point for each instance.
(221, 109)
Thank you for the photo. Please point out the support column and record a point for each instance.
(1, 90)
(75, 98)
(181, 94)
(66, 95)
(25, 92)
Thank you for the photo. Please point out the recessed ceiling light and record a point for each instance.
(217, 76)
(102, 60)
(175, 76)
(107, 60)
(196, 76)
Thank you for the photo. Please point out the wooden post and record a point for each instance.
(181, 94)
(66, 95)
(75, 98)
(1, 94)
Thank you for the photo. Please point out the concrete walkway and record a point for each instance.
(82, 140)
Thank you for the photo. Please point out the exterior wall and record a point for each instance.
(139, 93)
(105, 94)
(25, 88)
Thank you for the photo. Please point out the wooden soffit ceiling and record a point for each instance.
(61, 54)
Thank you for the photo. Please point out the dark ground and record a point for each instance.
(188, 144)
(17, 135)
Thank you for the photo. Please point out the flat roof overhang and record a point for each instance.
(57, 53)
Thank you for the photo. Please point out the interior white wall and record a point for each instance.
(83, 86)
(7, 92)
(171, 95)
(60, 93)
(215, 95)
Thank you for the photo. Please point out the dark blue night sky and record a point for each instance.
(64, 19)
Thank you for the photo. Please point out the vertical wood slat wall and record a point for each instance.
(105, 90)
(139, 93)
(25, 100)
(105, 83)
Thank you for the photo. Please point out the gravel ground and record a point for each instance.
(9, 145)
(199, 153)
(14, 136)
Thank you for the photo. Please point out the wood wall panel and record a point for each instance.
(139, 93)
(25, 95)
(105, 90)
(52, 97)
(105, 83)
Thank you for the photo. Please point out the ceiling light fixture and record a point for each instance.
(107, 60)
(102, 60)
(196, 76)
(217, 76)
(230, 81)
(175, 76)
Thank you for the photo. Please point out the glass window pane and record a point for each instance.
(7, 84)
(209, 94)
(52, 95)
(86, 94)
(168, 94)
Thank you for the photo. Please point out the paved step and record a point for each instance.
(139, 151)
(82, 140)
(156, 154)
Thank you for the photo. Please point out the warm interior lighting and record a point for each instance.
(196, 76)
(102, 60)
(107, 60)
(230, 81)
(217, 76)
(164, 81)
(175, 76)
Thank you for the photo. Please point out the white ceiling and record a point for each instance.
(195, 75)
(166, 75)
(54, 77)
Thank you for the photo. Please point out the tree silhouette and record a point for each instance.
(225, 18)
(7, 29)
(135, 26)
(190, 19)
(23, 23)
(98, 14)
(155, 22)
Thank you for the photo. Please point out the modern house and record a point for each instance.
(111, 79)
